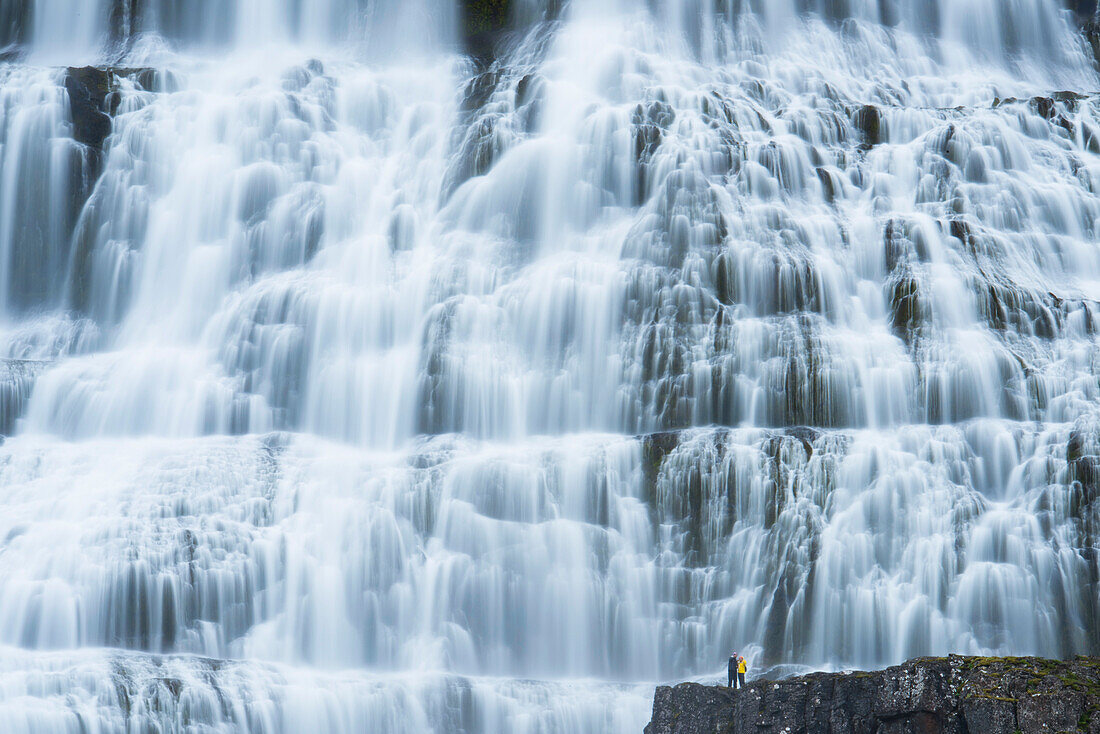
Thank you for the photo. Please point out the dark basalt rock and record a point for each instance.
(1091, 30)
(14, 22)
(1083, 8)
(906, 310)
(93, 98)
(1088, 16)
(953, 695)
(88, 88)
(868, 120)
(483, 21)
(1047, 108)
(125, 20)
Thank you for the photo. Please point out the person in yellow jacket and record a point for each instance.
(737, 669)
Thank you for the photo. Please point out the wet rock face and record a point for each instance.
(1091, 29)
(94, 99)
(1083, 8)
(1088, 15)
(482, 22)
(481, 16)
(868, 120)
(88, 88)
(13, 23)
(16, 382)
(954, 695)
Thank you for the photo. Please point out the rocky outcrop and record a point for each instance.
(1088, 18)
(483, 21)
(953, 695)
(1091, 30)
(88, 89)
(94, 98)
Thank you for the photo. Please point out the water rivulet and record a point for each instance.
(351, 382)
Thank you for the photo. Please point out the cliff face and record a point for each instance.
(954, 695)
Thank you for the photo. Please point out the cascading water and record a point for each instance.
(351, 385)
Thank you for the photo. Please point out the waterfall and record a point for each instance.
(355, 382)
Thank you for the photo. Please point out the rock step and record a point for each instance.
(952, 695)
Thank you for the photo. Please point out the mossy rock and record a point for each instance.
(482, 22)
(952, 695)
(485, 16)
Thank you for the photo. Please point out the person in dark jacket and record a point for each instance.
(732, 671)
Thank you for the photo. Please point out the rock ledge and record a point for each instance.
(955, 695)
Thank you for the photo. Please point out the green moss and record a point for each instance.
(1074, 682)
(989, 696)
(485, 16)
(973, 663)
(1037, 676)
